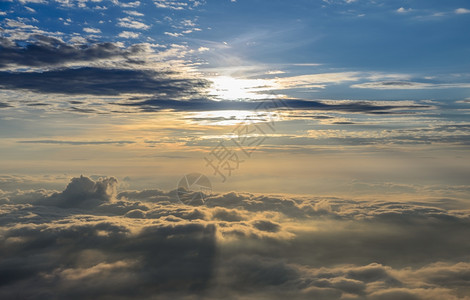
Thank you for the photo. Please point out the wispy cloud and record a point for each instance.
(408, 85)
(76, 143)
(317, 80)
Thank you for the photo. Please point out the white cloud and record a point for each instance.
(307, 65)
(177, 5)
(462, 11)
(134, 13)
(128, 22)
(173, 34)
(78, 40)
(18, 24)
(317, 80)
(32, 1)
(31, 10)
(189, 23)
(129, 35)
(91, 30)
(274, 72)
(403, 10)
(203, 49)
(127, 5)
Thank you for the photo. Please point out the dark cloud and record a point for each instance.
(295, 104)
(89, 242)
(103, 260)
(99, 81)
(83, 192)
(49, 51)
(265, 225)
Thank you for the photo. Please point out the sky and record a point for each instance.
(246, 149)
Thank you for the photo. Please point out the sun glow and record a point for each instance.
(229, 88)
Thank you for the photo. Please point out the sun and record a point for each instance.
(230, 88)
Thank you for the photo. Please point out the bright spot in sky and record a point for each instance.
(229, 88)
(224, 117)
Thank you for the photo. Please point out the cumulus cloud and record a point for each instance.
(83, 192)
(89, 241)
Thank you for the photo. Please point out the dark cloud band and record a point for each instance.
(98, 81)
(49, 51)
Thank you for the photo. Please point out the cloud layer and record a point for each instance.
(147, 245)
